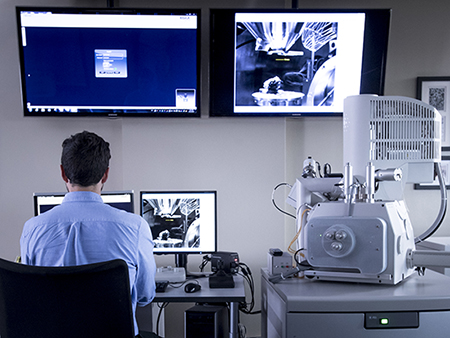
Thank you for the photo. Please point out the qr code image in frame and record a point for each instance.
(437, 97)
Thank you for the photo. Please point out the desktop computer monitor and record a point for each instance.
(181, 222)
(119, 199)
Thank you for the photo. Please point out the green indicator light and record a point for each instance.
(384, 321)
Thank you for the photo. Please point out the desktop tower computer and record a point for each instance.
(206, 321)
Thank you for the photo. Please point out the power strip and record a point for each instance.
(170, 274)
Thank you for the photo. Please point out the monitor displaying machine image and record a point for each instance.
(109, 62)
(123, 200)
(181, 222)
(295, 62)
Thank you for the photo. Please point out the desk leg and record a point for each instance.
(234, 320)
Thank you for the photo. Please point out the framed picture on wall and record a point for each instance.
(435, 90)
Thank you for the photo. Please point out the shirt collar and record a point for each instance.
(86, 196)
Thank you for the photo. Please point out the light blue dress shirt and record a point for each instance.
(84, 230)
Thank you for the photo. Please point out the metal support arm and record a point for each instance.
(427, 259)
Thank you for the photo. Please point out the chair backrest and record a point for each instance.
(63, 302)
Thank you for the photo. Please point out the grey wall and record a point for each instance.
(243, 159)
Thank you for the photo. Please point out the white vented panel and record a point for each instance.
(403, 130)
(390, 132)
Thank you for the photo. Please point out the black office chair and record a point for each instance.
(65, 302)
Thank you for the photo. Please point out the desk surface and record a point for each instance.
(205, 294)
(422, 293)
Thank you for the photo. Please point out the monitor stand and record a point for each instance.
(181, 260)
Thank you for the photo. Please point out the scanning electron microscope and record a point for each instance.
(356, 228)
(355, 234)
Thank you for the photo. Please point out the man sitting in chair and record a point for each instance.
(84, 230)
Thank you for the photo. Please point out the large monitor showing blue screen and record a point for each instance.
(295, 62)
(113, 62)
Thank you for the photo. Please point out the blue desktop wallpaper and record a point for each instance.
(60, 66)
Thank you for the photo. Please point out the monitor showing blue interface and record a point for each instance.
(119, 199)
(113, 62)
(181, 222)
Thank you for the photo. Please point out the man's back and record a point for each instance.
(84, 230)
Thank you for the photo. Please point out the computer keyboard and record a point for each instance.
(161, 286)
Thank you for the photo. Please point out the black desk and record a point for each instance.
(232, 295)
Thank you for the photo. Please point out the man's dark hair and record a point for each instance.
(85, 158)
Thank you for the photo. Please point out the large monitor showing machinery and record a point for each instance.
(295, 62)
(109, 62)
(123, 200)
(182, 222)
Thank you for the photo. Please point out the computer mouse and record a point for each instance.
(192, 287)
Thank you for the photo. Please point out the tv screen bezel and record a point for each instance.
(222, 46)
(112, 112)
(168, 251)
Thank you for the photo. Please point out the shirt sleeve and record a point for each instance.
(146, 268)
(24, 243)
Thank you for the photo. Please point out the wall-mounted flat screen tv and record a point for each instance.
(295, 62)
(109, 62)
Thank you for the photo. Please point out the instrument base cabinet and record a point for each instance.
(284, 316)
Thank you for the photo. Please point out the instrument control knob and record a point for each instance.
(336, 246)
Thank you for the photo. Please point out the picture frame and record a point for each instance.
(435, 91)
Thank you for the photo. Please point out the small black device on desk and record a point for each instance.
(276, 252)
(221, 280)
(192, 287)
(161, 286)
(226, 261)
(223, 266)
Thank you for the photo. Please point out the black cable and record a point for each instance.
(282, 211)
(246, 307)
(177, 285)
(301, 266)
(161, 308)
(295, 256)
(206, 260)
(273, 200)
(246, 273)
(421, 271)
